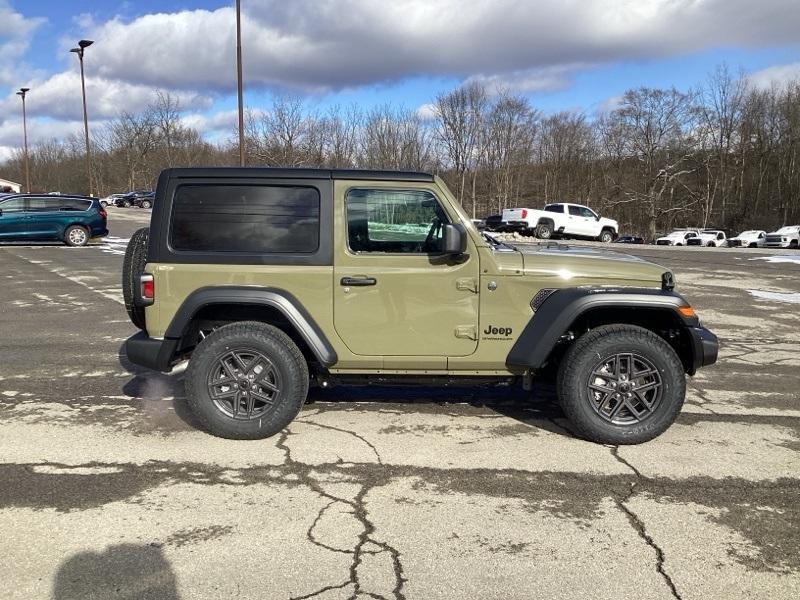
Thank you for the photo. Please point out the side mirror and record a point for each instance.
(454, 236)
(1, 212)
(597, 218)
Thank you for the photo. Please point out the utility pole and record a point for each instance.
(239, 80)
(21, 93)
(82, 45)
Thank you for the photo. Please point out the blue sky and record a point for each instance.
(562, 54)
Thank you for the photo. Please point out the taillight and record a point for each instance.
(524, 213)
(103, 212)
(147, 289)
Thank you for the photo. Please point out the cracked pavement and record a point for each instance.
(110, 490)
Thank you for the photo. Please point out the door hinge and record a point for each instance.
(467, 332)
(467, 284)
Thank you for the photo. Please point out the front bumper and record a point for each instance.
(705, 348)
(149, 352)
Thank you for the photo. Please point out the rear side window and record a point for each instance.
(245, 218)
(75, 204)
(556, 208)
(43, 204)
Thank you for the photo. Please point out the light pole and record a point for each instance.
(239, 79)
(82, 45)
(21, 93)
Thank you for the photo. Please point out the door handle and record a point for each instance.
(358, 281)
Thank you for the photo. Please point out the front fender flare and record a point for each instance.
(562, 307)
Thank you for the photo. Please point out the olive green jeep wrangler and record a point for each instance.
(271, 280)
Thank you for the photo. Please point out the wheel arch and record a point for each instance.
(567, 314)
(218, 304)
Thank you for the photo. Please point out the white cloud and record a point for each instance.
(39, 130)
(60, 97)
(15, 34)
(778, 75)
(312, 45)
(214, 125)
(426, 112)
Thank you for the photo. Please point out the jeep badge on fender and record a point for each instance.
(503, 331)
(326, 276)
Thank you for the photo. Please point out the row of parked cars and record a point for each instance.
(138, 199)
(577, 221)
(785, 237)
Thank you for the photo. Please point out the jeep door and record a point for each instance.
(395, 293)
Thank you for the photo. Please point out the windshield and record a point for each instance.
(790, 229)
(750, 232)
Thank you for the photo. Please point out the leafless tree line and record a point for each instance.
(726, 154)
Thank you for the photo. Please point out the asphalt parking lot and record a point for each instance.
(110, 490)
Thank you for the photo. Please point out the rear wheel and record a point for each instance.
(544, 231)
(76, 235)
(132, 268)
(621, 384)
(246, 381)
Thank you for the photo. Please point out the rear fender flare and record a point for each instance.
(275, 298)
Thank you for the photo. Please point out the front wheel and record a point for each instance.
(621, 384)
(146, 204)
(75, 235)
(606, 237)
(246, 381)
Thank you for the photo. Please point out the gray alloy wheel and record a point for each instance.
(146, 204)
(624, 388)
(75, 235)
(606, 237)
(246, 381)
(244, 384)
(621, 384)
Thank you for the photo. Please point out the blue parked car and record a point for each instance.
(73, 220)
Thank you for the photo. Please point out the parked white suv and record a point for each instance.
(569, 220)
(679, 237)
(752, 238)
(785, 237)
(710, 238)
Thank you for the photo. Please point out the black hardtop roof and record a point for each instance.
(298, 173)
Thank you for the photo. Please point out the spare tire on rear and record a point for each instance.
(132, 268)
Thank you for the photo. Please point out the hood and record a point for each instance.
(589, 266)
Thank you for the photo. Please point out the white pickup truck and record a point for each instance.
(785, 237)
(567, 220)
(711, 238)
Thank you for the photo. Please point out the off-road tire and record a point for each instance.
(286, 359)
(606, 236)
(544, 231)
(576, 371)
(132, 268)
(73, 237)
